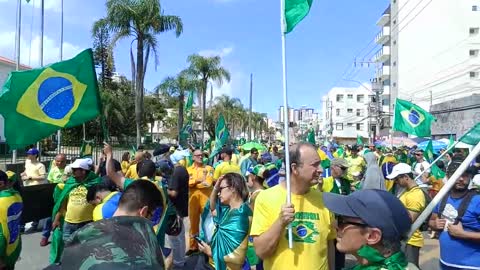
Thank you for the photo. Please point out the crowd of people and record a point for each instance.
(358, 200)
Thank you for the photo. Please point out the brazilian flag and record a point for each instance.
(36, 103)
(221, 135)
(412, 119)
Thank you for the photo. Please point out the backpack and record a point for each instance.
(462, 207)
(424, 227)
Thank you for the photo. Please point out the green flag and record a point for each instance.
(341, 152)
(44, 100)
(311, 136)
(87, 149)
(451, 143)
(428, 154)
(221, 135)
(412, 119)
(295, 11)
(359, 140)
(472, 136)
(187, 126)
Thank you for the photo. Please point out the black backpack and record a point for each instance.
(462, 207)
(424, 227)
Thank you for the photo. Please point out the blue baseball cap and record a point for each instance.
(377, 208)
(32, 151)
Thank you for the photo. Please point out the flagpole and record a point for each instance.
(59, 132)
(444, 190)
(17, 53)
(285, 117)
(250, 109)
(42, 28)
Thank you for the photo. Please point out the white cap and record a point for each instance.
(80, 163)
(400, 168)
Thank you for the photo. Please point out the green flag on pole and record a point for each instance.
(428, 154)
(295, 11)
(311, 136)
(451, 143)
(187, 126)
(359, 140)
(412, 119)
(44, 100)
(472, 136)
(221, 135)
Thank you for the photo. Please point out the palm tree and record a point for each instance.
(228, 107)
(207, 69)
(142, 20)
(176, 87)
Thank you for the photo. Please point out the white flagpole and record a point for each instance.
(444, 190)
(42, 29)
(59, 132)
(285, 117)
(17, 53)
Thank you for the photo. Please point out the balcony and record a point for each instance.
(382, 55)
(384, 36)
(383, 73)
(384, 20)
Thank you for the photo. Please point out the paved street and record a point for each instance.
(35, 257)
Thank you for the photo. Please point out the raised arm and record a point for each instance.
(116, 177)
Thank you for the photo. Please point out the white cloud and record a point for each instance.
(30, 52)
(223, 52)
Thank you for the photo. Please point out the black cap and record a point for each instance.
(377, 208)
(161, 149)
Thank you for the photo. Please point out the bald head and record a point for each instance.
(297, 151)
(139, 156)
(60, 161)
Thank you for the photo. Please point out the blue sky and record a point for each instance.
(246, 33)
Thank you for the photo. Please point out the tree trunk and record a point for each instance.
(181, 98)
(139, 90)
(204, 108)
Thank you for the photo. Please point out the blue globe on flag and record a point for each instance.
(414, 117)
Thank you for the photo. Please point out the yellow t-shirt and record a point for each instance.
(36, 169)
(125, 165)
(312, 228)
(78, 209)
(195, 173)
(224, 168)
(132, 172)
(414, 200)
(357, 165)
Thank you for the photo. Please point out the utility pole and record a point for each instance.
(331, 120)
(377, 87)
(250, 109)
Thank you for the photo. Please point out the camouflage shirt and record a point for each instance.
(116, 243)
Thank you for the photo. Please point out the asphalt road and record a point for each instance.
(34, 257)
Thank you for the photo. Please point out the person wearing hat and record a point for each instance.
(34, 170)
(71, 206)
(336, 182)
(200, 184)
(419, 167)
(227, 165)
(413, 198)
(356, 164)
(370, 226)
(255, 181)
(11, 206)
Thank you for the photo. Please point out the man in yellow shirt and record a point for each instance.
(227, 165)
(413, 198)
(132, 170)
(356, 162)
(200, 183)
(34, 170)
(312, 223)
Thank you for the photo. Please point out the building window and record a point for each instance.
(473, 31)
(349, 124)
(359, 126)
(349, 110)
(350, 96)
(360, 112)
(473, 74)
(339, 98)
(338, 112)
(474, 8)
(339, 126)
(360, 98)
(473, 53)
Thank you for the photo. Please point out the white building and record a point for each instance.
(430, 51)
(345, 114)
(6, 66)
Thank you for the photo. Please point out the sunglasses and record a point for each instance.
(342, 222)
(418, 154)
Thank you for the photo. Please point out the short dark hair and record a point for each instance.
(141, 193)
(146, 168)
(253, 151)
(237, 182)
(92, 191)
(294, 152)
(3, 176)
(126, 156)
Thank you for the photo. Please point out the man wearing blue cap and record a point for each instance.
(34, 170)
(371, 225)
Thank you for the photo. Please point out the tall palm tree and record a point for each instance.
(142, 20)
(177, 87)
(228, 107)
(207, 69)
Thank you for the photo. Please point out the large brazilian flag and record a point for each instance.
(36, 103)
